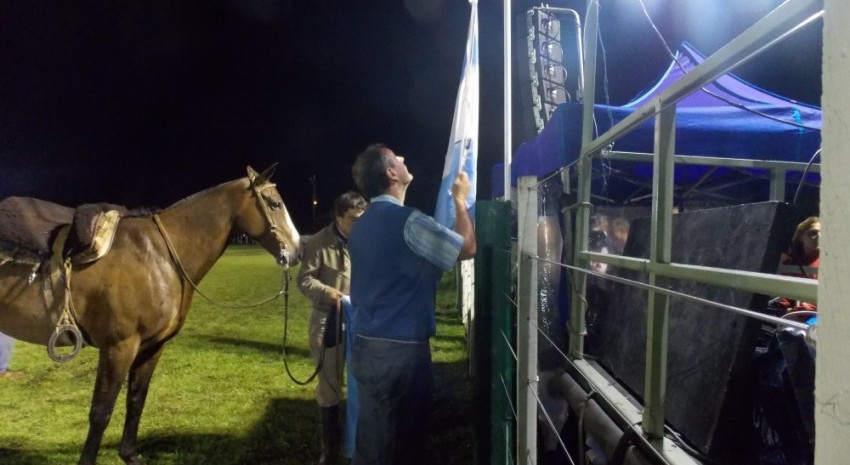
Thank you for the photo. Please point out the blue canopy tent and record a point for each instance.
(730, 118)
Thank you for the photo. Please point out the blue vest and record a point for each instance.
(393, 290)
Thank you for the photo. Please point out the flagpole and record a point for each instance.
(507, 96)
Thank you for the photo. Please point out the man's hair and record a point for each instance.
(370, 171)
(347, 201)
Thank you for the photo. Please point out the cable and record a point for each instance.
(803, 178)
(719, 97)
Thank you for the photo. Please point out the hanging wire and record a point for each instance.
(803, 177)
(724, 99)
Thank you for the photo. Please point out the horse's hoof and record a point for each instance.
(134, 459)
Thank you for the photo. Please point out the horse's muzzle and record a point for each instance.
(287, 257)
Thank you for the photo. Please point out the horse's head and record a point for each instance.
(269, 223)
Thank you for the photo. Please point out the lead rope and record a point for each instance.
(285, 331)
(176, 259)
(338, 335)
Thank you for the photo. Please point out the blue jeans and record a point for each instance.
(394, 382)
(6, 346)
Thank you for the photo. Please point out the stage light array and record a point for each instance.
(547, 70)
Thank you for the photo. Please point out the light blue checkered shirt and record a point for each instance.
(430, 240)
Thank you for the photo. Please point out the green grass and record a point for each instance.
(220, 395)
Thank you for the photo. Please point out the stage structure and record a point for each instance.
(632, 423)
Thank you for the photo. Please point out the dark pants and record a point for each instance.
(395, 383)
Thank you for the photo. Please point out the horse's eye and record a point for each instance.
(275, 205)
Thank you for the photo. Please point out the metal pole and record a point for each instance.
(578, 305)
(527, 378)
(508, 104)
(777, 184)
(655, 384)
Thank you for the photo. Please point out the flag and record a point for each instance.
(463, 141)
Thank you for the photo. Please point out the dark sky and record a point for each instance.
(144, 103)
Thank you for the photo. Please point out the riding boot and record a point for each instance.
(331, 435)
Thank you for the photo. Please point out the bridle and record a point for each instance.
(264, 207)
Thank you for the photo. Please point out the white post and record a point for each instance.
(527, 321)
(466, 303)
(832, 388)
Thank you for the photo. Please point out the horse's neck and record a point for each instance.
(200, 225)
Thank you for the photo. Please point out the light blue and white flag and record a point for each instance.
(463, 142)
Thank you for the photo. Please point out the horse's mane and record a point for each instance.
(198, 194)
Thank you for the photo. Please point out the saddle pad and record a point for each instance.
(29, 223)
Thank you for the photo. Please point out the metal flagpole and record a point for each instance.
(507, 96)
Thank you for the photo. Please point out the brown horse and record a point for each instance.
(137, 297)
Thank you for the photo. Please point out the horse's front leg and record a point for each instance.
(112, 367)
(137, 392)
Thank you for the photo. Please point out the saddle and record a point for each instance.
(29, 227)
(52, 238)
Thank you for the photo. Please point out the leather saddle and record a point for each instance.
(29, 227)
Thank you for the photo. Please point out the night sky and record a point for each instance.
(144, 103)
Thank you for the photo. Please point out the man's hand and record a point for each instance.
(335, 296)
(463, 223)
(461, 186)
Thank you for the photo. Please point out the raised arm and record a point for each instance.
(463, 223)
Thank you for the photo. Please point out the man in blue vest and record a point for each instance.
(398, 255)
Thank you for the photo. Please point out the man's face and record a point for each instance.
(346, 221)
(399, 171)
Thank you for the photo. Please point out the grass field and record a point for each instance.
(220, 395)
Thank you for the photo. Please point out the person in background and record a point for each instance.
(619, 234)
(324, 279)
(802, 261)
(7, 345)
(398, 255)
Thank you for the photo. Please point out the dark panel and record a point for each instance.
(710, 350)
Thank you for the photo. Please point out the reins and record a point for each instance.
(284, 290)
(284, 286)
(286, 364)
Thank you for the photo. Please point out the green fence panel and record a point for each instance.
(494, 364)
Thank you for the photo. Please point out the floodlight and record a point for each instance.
(548, 32)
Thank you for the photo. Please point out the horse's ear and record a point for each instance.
(261, 178)
(269, 172)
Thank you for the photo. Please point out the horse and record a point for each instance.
(134, 299)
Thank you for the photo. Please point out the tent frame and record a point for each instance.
(786, 19)
(648, 421)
